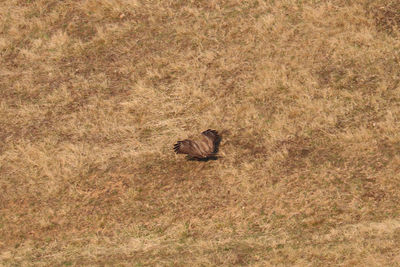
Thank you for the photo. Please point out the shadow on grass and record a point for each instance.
(204, 159)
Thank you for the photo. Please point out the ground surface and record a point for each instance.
(93, 95)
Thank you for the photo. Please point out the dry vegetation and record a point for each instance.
(93, 94)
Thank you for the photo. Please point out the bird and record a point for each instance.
(201, 149)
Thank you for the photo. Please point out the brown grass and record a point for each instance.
(93, 94)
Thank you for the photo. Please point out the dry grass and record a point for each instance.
(93, 94)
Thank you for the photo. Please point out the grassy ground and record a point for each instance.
(93, 95)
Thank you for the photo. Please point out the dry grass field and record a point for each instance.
(94, 93)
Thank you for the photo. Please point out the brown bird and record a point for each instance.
(203, 149)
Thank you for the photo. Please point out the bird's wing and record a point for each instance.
(183, 147)
(213, 140)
